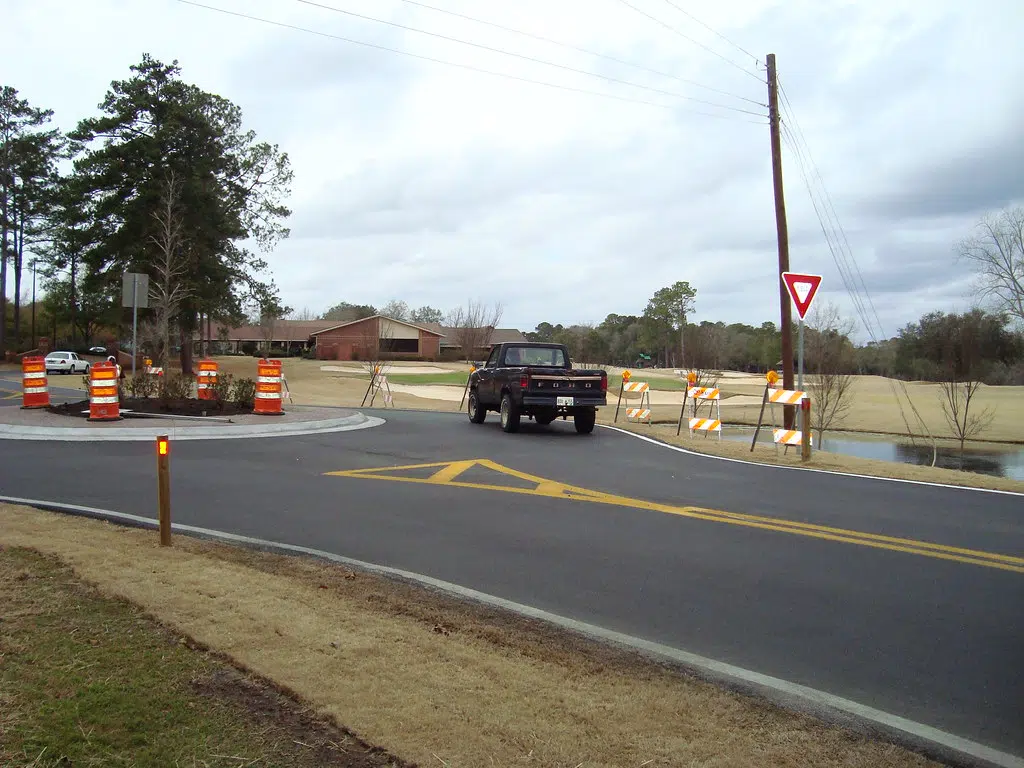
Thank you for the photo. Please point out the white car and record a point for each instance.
(66, 362)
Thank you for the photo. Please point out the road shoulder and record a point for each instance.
(428, 677)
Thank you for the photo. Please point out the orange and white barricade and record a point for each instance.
(104, 402)
(641, 412)
(787, 437)
(268, 388)
(774, 397)
(713, 397)
(35, 390)
(379, 386)
(206, 380)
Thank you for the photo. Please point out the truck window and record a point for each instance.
(535, 356)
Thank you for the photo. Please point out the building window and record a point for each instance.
(401, 346)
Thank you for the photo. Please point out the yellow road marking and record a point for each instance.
(448, 472)
(14, 396)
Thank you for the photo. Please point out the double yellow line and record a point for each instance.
(447, 473)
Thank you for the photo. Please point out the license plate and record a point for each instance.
(566, 401)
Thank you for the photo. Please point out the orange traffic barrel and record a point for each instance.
(268, 388)
(104, 404)
(206, 380)
(35, 392)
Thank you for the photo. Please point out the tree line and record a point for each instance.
(977, 344)
(165, 180)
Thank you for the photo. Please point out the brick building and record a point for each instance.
(375, 336)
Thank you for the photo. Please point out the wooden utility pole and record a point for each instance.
(783, 236)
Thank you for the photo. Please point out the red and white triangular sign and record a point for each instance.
(801, 289)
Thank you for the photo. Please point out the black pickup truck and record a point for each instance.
(537, 381)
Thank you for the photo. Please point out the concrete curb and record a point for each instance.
(179, 432)
(924, 739)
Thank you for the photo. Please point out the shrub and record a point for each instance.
(177, 387)
(222, 389)
(243, 393)
(142, 385)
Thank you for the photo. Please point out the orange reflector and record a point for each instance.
(162, 445)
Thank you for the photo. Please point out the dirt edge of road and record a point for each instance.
(430, 678)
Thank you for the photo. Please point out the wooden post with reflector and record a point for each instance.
(268, 388)
(206, 379)
(104, 404)
(163, 488)
(35, 392)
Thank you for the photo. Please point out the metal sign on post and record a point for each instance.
(802, 289)
(135, 294)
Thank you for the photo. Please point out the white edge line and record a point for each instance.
(680, 449)
(919, 733)
(177, 432)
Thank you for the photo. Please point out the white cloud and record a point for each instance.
(436, 184)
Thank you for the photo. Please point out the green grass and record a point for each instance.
(89, 680)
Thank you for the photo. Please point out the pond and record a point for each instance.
(1005, 462)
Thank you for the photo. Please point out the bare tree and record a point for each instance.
(956, 398)
(473, 325)
(375, 346)
(169, 289)
(396, 309)
(830, 354)
(997, 253)
(303, 315)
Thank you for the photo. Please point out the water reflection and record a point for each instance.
(1007, 463)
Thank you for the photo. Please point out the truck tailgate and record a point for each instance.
(566, 383)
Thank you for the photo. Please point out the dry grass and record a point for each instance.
(431, 679)
(82, 675)
(834, 462)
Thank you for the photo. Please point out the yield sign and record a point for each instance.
(802, 289)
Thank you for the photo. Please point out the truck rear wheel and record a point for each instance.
(584, 420)
(477, 413)
(509, 414)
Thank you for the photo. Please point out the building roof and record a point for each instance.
(283, 330)
(497, 335)
(301, 330)
(335, 325)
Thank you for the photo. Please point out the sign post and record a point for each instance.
(135, 294)
(802, 289)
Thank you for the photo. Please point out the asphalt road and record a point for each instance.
(935, 640)
(10, 391)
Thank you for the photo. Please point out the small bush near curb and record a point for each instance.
(243, 393)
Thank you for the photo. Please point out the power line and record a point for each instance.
(737, 46)
(847, 275)
(524, 57)
(831, 207)
(468, 67)
(578, 49)
(698, 43)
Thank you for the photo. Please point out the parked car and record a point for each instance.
(66, 362)
(537, 381)
(97, 350)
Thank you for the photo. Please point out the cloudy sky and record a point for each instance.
(437, 184)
